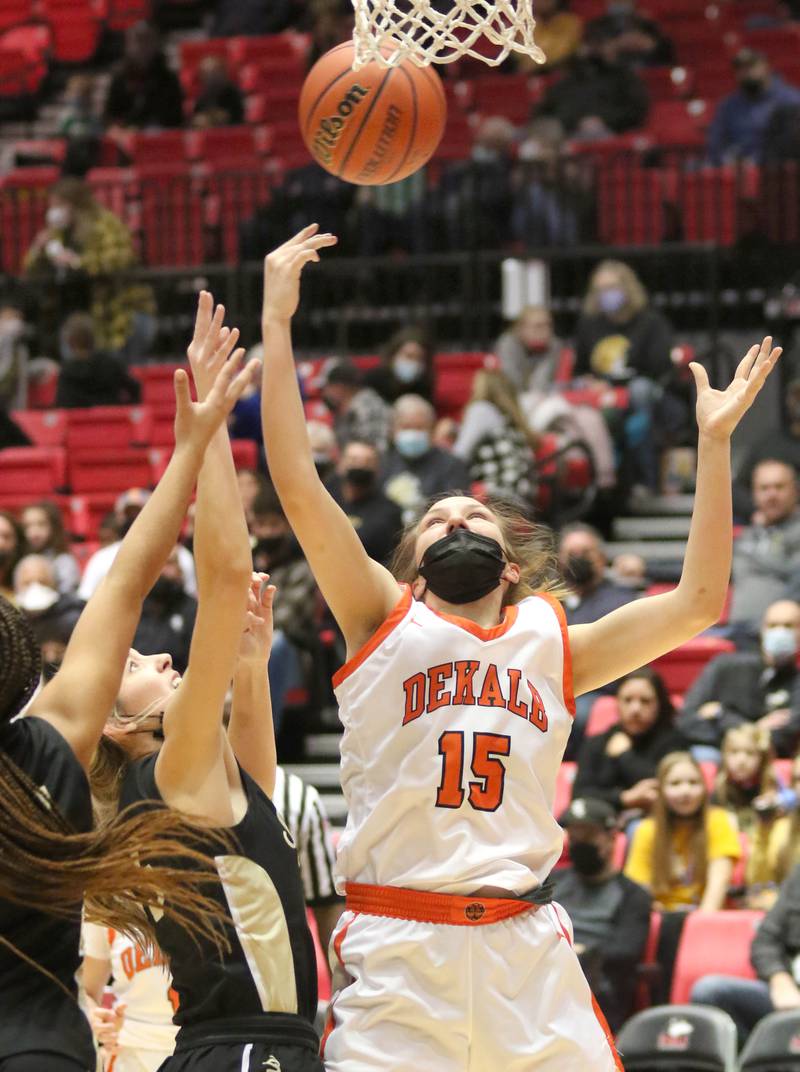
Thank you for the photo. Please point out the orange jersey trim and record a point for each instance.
(493, 631)
(566, 684)
(443, 908)
(399, 612)
(607, 1032)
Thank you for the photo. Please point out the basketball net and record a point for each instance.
(389, 31)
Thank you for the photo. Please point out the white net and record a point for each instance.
(441, 31)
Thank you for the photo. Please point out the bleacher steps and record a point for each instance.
(321, 775)
(652, 528)
(323, 746)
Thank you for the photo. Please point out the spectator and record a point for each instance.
(610, 914)
(766, 554)
(12, 548)
(630, 571)
(583, 561)
(495, 440)
(558, 33)
(486, 180)
(530, 352)
(596, 96)
(356, 488)
(52, 615)
(333, 22)
(414, 468)
(740, 687)
(621, 339)
(774, 956)
(80, 125)
(740, 123)
(358, 411)
(234, 18)
(219, 102)
(783, 849)
(86, 250)
(168, 615)
(14, 358)
(394, 217)
(324, 448)
(636, 39)
(780, 443)
(144, 93)
(126, 510)
(619, 765)
(555, 201)
(43, 526)
(89, 377)
(406, 366)
(684, 853)
(251, 485)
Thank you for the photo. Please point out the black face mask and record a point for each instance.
(270, 546)
(360, 479)
(166, 590)
(463, 566)
(751, 86)
(324, 470)
(578, 571)
(586, 858)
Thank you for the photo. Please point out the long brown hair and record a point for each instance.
(727, 792)
(119, 868)
(665, 823)
(58, 537)
(492, 385)
(530, 545)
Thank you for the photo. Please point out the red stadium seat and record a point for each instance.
(710, 770)
(172, 216)
(164, 147)
(234, 195)
(713, 943)
(603, 715)
(100, 427)
(33, 471)
(323, 973)
(667, 83)
(630, 202)
(34, 40)
(269, 50)
(453, 376)
(245, 453)
(502, 94)
(223, 146)
(76, 32)
(113, 470)
(649, 968)
(157, 384)
(565, 779)
(711, 202)
(45, 428)
(194, 52)
(84, 513)
(13, 12)
(680, 667)
(21, 75)
(120, 14)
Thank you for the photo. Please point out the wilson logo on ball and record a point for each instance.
(383, 144)
(330, 128)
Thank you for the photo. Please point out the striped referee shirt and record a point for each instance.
(304, 813)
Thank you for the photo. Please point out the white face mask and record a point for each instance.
(37, 598)
(57, 217)
(406, 369)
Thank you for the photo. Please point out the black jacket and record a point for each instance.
(649, 336)
(145, 98)
(604, 778)
(100, 380)
(777, 940)
(590, 87)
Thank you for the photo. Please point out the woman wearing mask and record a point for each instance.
(619, 766)
(529, 351)
(406, 367)
(456, 700)
(43, 526)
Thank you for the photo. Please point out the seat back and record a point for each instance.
(774, 1045)
(714, 943)
(679, 1038)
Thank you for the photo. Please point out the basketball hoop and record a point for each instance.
(433, 31)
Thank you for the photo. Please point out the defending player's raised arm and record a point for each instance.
(643, 630)
(359, 592)
(79, 698)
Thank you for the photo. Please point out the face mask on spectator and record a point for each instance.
(586, 858)
(270, 545)
(58, 217)
(36, 598)
(612, 299)
(779, 643)
(752, 86)
(406, 369)
(578, 570)
(323, 465)
(412, 442)
(167, 589)
(363, 479)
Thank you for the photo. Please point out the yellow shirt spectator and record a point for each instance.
(686, 890)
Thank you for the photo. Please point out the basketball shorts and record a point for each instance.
(506, 995)
(40, 1062)
(244, 1057)
(129, 1060)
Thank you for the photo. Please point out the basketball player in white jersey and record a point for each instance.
(456, 700)
(138, 1034)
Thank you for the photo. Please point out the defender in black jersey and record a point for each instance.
(251, 1006)
(50, 857)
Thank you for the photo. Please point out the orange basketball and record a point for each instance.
(372, 126)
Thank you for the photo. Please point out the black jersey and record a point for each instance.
(271, 967)
(35, 1014)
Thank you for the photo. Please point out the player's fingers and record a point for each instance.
(700, 376)
(214, 328)
(239, 385)
(321, 241)
(301, 236)
(204, 305)
(747, 362)
(759, 376)
(226, 344)
(183, 397)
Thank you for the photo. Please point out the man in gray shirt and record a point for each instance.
(766, 555)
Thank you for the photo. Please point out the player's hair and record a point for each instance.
(526, 543)
(726, 791)
(118, 867)
(789, 854)
(664, 825)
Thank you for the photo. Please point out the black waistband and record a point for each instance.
(277, 1029)
(539, 895)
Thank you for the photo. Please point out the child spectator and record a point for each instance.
(619, 765)
(44, 532)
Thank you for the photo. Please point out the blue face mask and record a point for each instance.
(406, 369)
(612, 299)
(779, 643)
(412, 442)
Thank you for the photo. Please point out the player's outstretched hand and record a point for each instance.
(282, 270)
(211, 345)
(256, 641)
(196, 422)
(718, 412)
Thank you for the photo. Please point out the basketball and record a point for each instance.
(372, 126)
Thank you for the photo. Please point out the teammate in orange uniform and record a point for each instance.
(456, 700)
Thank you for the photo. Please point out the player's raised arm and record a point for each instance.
(641, 631)
(78, 699)
(359, 592)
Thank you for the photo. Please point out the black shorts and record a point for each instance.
(40, 1062)
(243, 1057)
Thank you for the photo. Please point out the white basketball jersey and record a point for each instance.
(143, 982)
(453, 736)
